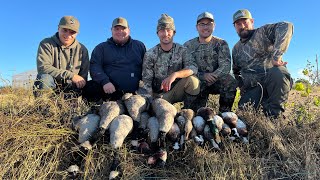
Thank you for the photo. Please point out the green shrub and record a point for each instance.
(316, 101)
(299, 86)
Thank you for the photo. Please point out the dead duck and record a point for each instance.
(107, 111)
(119, 128)
(209, 136)
(136, 105)
(198, 125)
(214, 123)
(243, 131)
(143, 124)
(165, 113)
(230, 118)
(86, 127)
(153, 127)
(160, 155)
(184, 122)
(237, 126)
(174, 136)
(140, 144)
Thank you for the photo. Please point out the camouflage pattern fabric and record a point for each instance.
(252, 64)
(253, 58)
(215, 58)
(225, 86)
(166, 22)
(159, 64)
(212, 57)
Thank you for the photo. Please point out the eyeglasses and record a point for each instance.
(203, 25)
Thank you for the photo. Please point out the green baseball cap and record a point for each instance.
(204, 15)
(69, 22)
(241, 14)
(120, 21)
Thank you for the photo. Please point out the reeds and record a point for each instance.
(37, 140)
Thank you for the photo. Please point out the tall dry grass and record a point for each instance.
(37, 141)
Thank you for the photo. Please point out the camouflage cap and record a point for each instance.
(120, 21)
(165, 22)
(69, 22)
(204, 15)
(241, 14)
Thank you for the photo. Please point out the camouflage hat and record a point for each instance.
(241, 14)
(165, 22)
(204, 15)
(120, 21)
(69, 22)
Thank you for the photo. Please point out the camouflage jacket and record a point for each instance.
(213, 57)
(159, 64)
(253, 58)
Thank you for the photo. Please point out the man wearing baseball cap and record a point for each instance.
(116, 64)
(62, 61)
(213, 58)
(258, 65)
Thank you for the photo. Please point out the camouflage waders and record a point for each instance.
(226, 87)
(272, 93)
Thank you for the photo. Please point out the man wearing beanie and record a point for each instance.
(62, 61)
(258, 65)
(213, 58)
(168, 68)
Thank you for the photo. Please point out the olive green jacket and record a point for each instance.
(61, 62)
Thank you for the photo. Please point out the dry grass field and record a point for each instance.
(36, 142)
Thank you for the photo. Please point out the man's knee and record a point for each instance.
(278, 74)
(192, 85)
(45, 81)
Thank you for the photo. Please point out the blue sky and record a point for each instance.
(25, 23)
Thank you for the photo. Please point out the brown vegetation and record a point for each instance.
(37, 140)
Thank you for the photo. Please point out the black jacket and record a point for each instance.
(120, 65)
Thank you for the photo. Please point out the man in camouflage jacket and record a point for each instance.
(258, 65)
(168, 67)
(213, 59)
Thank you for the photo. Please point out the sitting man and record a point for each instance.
(62, 62)
(116, 65)
(213, 58)
(168, 68)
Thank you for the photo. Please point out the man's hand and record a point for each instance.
(79, 81)
(109, 88)
(210, 78)
(166, 83)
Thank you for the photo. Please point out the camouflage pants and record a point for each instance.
(277, 85)
(275, 90)
(225, 86)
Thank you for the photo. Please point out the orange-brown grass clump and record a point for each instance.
(37, 141)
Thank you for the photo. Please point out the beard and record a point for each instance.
(167, 41)
(245, 33)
